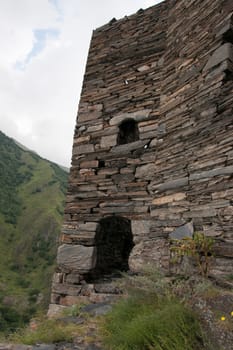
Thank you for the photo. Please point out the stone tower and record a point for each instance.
(153, 145)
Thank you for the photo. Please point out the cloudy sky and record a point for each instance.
(44, 45)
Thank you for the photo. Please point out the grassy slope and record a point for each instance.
(32, 192)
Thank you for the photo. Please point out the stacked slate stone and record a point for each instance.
(167, 73)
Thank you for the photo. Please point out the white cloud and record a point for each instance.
(18, 19)
(39, 102)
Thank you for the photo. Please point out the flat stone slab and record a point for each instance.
(97, 309)
(76, 257)
(185, 231)
(72, 319)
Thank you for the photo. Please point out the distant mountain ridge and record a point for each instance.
(24, 148)
(32, 196)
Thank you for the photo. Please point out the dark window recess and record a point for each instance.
(101, 163)
(228, 76)
(114, 242)
(128, 132)
(228, 36)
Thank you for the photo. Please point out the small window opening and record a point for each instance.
(228, 36)
(228, 76)
(128, 132)
(101, 163)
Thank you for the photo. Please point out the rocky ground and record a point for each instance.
(213, 303)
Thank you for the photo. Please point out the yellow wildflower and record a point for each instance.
(223, 318)
(232, 313)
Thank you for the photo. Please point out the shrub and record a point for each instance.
(139, 322)
(199, 247)
(10, 319)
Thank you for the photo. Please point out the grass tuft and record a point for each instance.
(142, 323)
(151, 318)
(46, 331)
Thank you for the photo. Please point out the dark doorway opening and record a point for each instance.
(114, 242)
(128, 132)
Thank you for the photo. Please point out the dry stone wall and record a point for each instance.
(168, 72)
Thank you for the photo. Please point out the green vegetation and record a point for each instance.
(155, 313)
(45, 331)
(151, 317)
(199, 247)
(151, 323)
(10, 179)
(32, 195)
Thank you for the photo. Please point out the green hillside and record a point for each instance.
(32, 194)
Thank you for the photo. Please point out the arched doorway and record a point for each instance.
(114, 242)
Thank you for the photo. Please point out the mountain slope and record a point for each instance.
(32, 194)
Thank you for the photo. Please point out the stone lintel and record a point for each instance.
(137, 116)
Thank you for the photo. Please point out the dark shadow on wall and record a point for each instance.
(114, 242)
(128, 132)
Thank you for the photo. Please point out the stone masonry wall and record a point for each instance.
(170, 69)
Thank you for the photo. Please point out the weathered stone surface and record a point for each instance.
(85, 117)
(57, 277)
(169, 199)
(224, 250)
(143, 68)
(83, 139)
(108, 288)
(76, 257)
(175, 163)
(89, 164)
(201, 213)
(127, 148)
(140, 227)
(66, 289)
(161, 130)
(149, 253)
(224, 27)
(170, 185)
(123, 178)
(55, 310)
(108, 141)
(87, 188)
(97, 309)
(80, 149)
(69, 300)
(228, 170)
(221, 54)
(138, 116)
(95, 128)
(72, 278)
(185, 231)
(88, 226)
(212, 230)
(145, 171)
(85, 238)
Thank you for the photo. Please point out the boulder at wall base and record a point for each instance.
(77, 257)
(149, 253)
